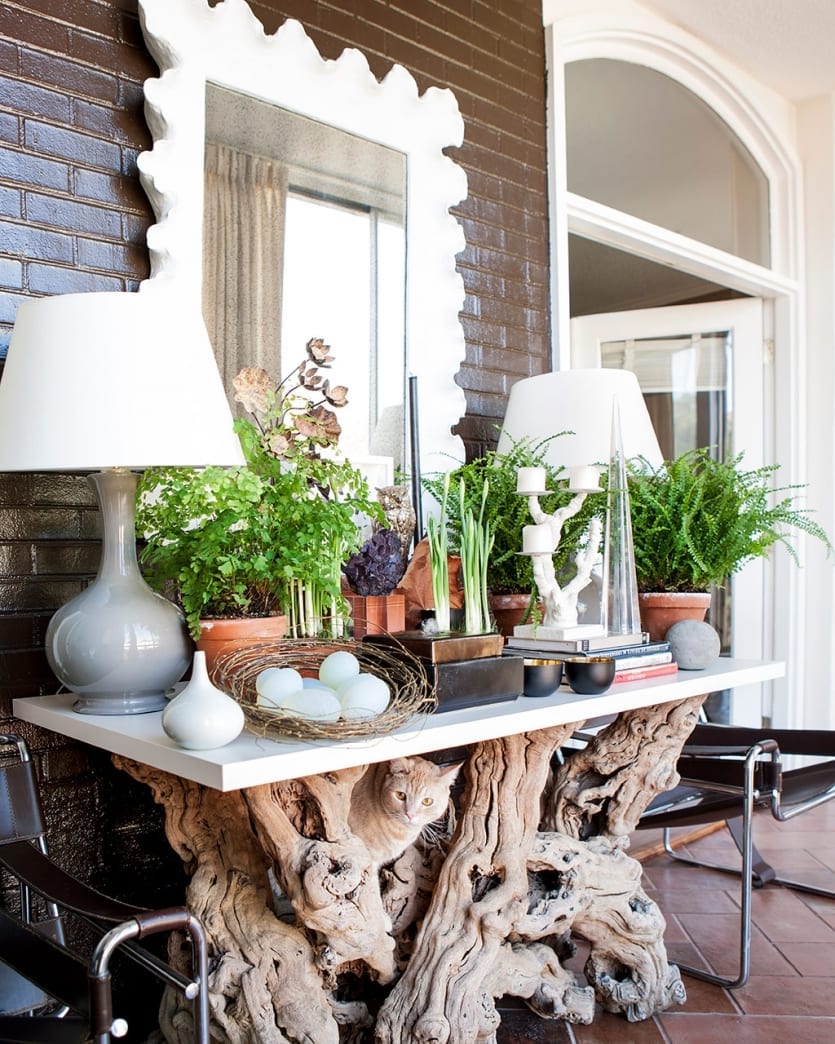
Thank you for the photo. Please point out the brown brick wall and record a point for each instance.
(73, 217)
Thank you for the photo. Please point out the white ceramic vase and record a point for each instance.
(202, 716)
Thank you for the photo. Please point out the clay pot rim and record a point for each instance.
(695, 597)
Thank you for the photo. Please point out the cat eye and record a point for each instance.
(428, 801)
(400, 795)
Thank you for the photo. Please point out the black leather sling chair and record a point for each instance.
(727, 773)
(39, 971)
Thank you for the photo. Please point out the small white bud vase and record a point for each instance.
(202, 717)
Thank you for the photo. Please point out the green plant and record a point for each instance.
(270, 536)
(438, 537)
(506, 512)
(476, 541)
(696, 521)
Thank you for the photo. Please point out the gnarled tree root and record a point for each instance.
(535, 856)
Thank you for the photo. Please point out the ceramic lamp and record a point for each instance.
(112, 383)
(579, 403)
(603, 421)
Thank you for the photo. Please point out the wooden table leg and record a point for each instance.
(263, 978)
(481, 895)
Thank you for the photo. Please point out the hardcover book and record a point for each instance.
(645, 673)
(581, 646)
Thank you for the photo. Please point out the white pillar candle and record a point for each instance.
(583, 478)
(537, 540)
(530, 480)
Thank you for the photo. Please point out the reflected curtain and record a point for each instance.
(243, 247)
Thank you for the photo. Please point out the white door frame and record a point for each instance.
(763, 121)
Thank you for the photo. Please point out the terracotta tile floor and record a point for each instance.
(791, 992)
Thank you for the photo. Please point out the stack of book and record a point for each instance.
(636, 657)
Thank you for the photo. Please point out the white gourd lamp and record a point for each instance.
(605, 419)
(113, 383)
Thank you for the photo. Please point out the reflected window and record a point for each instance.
(304, 235)
(686, 383)
(642, 143)
(344, 277)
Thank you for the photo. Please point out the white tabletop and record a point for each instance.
(251, 760)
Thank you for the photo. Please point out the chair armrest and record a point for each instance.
(818, 742)
(43, 876)
(727, 766)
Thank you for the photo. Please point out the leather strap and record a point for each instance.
(20, 806)
(46, 878)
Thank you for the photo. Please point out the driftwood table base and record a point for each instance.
(420, 951)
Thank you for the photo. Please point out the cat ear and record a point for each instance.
(450, 773)
(398, 765)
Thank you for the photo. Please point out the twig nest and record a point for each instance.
(694, 644)
(408, 690)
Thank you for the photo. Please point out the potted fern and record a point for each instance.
(269, 538)
(696, 521)
(509, 575)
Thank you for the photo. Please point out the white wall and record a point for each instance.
(816, 143)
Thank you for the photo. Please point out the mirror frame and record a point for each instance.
(193, 43)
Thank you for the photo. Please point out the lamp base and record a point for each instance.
(118, 645)
(115, 703)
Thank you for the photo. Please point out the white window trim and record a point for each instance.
(764, 122)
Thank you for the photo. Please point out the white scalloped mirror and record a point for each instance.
(200, 48)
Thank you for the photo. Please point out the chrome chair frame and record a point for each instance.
(727, 773)
(81, 987)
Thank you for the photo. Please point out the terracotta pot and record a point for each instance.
(377, 614)
(509, 610)
(661, 609)
(220, 636)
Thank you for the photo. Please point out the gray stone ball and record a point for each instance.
(694, 644)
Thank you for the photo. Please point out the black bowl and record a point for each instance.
(590, 675)
(542, 677)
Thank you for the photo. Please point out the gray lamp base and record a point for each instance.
(118, 645)
(113, 703)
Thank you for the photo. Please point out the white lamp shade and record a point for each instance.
(580, 401)
(112, 380)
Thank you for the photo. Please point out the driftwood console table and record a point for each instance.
(538, 853)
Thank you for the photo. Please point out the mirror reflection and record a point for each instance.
(304, 236)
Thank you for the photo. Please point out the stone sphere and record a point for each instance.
(694, 644)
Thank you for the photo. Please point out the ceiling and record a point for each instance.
(786, 44)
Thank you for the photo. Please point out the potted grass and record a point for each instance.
(696, 521)
(269, 538)
(490, 493)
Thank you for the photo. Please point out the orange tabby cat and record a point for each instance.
(394, 800)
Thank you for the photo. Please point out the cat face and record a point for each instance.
(416, 791)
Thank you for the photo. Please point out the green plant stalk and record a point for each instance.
(476, 543)
(439, 562)
(484, 566)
